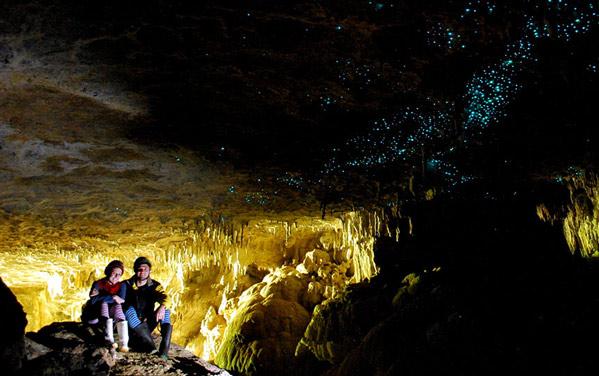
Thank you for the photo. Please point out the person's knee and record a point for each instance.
(118, 313)
(167, 316)
(132, 318)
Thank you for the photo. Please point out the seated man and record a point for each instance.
(143, 293)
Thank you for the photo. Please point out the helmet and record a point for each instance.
(140, 261)
(114, 264)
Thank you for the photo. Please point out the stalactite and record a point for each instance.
(581, 221)
(205, 270)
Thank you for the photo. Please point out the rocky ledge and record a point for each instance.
(65, 348)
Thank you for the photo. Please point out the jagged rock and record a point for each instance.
(34, 350)
(212, 327)
(314, 259)
(255, 272)
(410, 284)
(408, 340)
(12, 317)
(66, 348)
(181, 362)
(74, 347)
(314, 294)
(269, 320)
(337, 325)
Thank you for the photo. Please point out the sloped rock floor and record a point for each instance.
(69, 348)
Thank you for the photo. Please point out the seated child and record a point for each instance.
(105, 303)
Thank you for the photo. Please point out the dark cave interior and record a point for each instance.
(470, 125)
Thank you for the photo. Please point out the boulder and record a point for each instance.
(265, 326)
(12, 343)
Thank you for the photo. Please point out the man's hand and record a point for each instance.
(117, 299)
(93, 293)
(160, 313)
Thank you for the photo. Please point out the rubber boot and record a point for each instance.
(123, 331)
(144, 336)
(165, 344)
(109, 333)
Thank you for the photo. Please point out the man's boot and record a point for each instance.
(144, 337)
(166, 330)
(123, 330)
(109, 333)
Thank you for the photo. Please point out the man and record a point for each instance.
(143, 293)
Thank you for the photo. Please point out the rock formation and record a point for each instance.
(12, 340)
(66, 348)
(312, 181)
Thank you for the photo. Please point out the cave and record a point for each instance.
(324, 188)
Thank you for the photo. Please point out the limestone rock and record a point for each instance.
(74, 349)
(269, 320)
(66, 348)
(314, 259)
(12, 345)
(212, 328)
(337, 325)
(34, 350)
(314, 294)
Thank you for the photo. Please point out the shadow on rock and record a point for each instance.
(67, 348)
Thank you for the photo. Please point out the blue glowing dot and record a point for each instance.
(402, 137)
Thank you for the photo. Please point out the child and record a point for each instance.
(105, 303)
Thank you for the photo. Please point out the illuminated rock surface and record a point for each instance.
(215, 136)
(85, 203)
(579, 215)
(507, 297)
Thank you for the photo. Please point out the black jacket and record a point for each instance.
(144, 298)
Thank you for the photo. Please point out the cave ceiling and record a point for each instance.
(171, 110)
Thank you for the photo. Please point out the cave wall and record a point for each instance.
(12, 341)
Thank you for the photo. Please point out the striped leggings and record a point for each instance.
(115, 310)
(134, 320)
